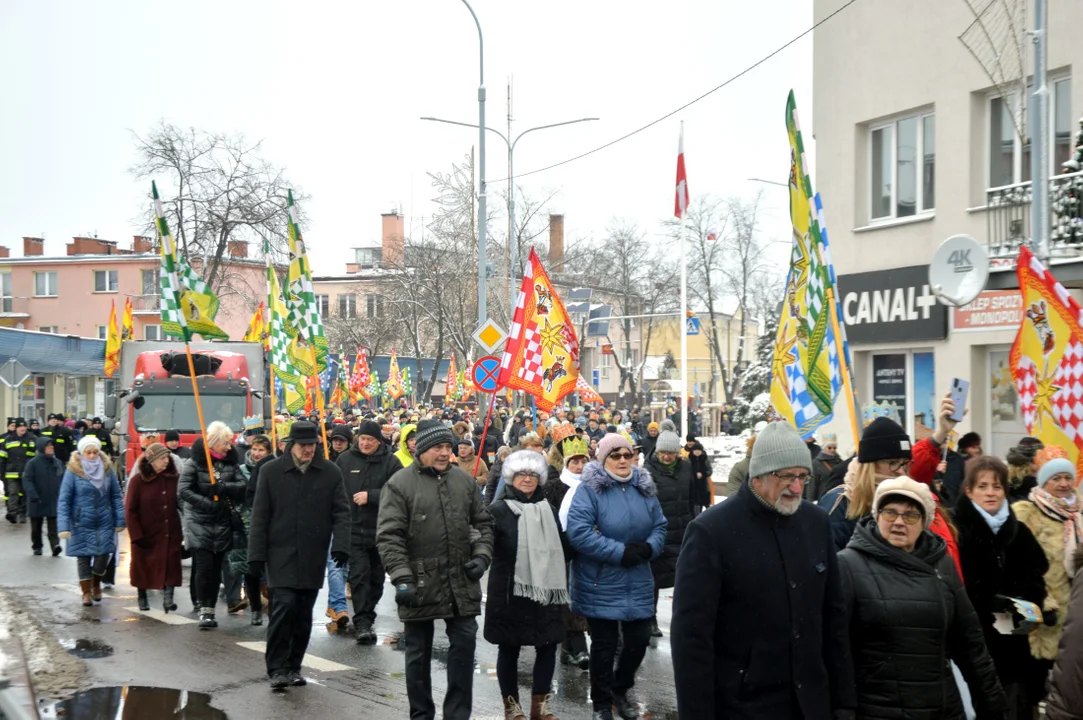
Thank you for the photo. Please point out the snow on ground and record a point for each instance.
(725, 452)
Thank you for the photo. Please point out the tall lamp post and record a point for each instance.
(512, 243)
(483, 265)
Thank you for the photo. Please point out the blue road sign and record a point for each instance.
(595, 377)
(691, 326)
(485, 373)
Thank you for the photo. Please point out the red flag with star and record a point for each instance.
(1047, 360)
(541, 356)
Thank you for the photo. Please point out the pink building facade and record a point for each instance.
(72, 294)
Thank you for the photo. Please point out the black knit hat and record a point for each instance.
(883, 439)
(341, 431)
(969, 440)
(370, 428)
(172, 436)
(431, 433)
(20, 422)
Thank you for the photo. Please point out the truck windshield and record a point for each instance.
(178, 412)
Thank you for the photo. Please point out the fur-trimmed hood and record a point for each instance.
(75, 464)
(147, 472)
(597, 479)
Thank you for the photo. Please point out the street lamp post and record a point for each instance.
(512, 243)
(483, 265)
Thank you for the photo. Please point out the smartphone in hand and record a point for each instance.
(959, 390)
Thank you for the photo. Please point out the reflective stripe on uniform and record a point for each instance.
(11, 475)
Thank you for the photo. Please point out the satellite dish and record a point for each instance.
(958, 271)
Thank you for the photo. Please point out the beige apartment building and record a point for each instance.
(915, 142)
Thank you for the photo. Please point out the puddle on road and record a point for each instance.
(394, 640)
(86, 648)
(135, 703)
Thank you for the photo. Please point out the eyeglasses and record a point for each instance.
(621, 455)
(789, 478)
(897, 465)
(910, 517)
(528, 475)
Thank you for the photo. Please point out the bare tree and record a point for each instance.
(638, 279)
(217, 189)
(728, 263)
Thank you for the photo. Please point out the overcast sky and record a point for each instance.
(335, 90)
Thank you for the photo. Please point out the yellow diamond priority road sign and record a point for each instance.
(489, 336)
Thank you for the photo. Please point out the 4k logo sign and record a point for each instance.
(960, 260)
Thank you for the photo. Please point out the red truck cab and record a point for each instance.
(160, 397)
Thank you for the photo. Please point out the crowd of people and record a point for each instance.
(892, 583)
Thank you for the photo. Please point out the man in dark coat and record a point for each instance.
(300, 506)
(435, 537)
(18, 447)
(340, 438)
(759, 626)
(172, 441)
(103, 436)
(41, 485)
(674, 478)
(822, 465)
(366, 467)
(63, 444)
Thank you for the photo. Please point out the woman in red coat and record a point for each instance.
(154, 526)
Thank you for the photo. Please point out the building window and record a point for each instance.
(150, 282)
(347, 306)
(902, 168)
(105, 281)
(7, 301)
(374, 306)
(323, 302)
(152, 332)
(54, 329)
(45, 284)
(368, 257)
(1009, 155)
(103, 331)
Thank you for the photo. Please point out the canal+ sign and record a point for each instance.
(891, 305)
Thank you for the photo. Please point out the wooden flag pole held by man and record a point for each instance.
(173, 320)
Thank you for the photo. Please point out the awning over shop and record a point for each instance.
(48, 353)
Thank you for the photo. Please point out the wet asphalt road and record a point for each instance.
(365, 682)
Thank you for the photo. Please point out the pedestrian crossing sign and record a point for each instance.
(691, 326)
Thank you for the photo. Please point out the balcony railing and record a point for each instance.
(14, 306)
(1008, 215)
(146, 303)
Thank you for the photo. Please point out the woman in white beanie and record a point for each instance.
(90, 513)
(909, 614)
(1052, 512)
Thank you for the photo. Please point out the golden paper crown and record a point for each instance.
(574, 446)
(562, 432)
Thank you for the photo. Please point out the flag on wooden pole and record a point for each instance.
(128, 324)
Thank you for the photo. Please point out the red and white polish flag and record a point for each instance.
(680, 203)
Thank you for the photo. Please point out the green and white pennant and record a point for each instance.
(304, 313)
(188, 305)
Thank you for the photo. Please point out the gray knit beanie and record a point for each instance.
(668, 439)
(778, 447)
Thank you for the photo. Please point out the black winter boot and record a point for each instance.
(206, 619)
(167, 600)
(143, 604)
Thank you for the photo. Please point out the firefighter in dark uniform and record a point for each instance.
(61, 437)
(102, 434)
(17, 449)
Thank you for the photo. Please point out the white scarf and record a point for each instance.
(539, 557)
(572, 481)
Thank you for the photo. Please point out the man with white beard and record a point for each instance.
(759, 628)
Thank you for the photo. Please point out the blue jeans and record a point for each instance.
(336, 586)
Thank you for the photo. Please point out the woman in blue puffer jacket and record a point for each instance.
(617, 526)
(90, 513)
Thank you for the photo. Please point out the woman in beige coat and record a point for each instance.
(1052, 512)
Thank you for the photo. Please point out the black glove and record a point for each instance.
(340, 558)
(255, 568)
(406, 594)
(635, 553)
(1049, 617)
(476, 567)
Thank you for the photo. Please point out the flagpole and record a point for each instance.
(684, 316)
(199, 413)
(319, 396)
(267, 355)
